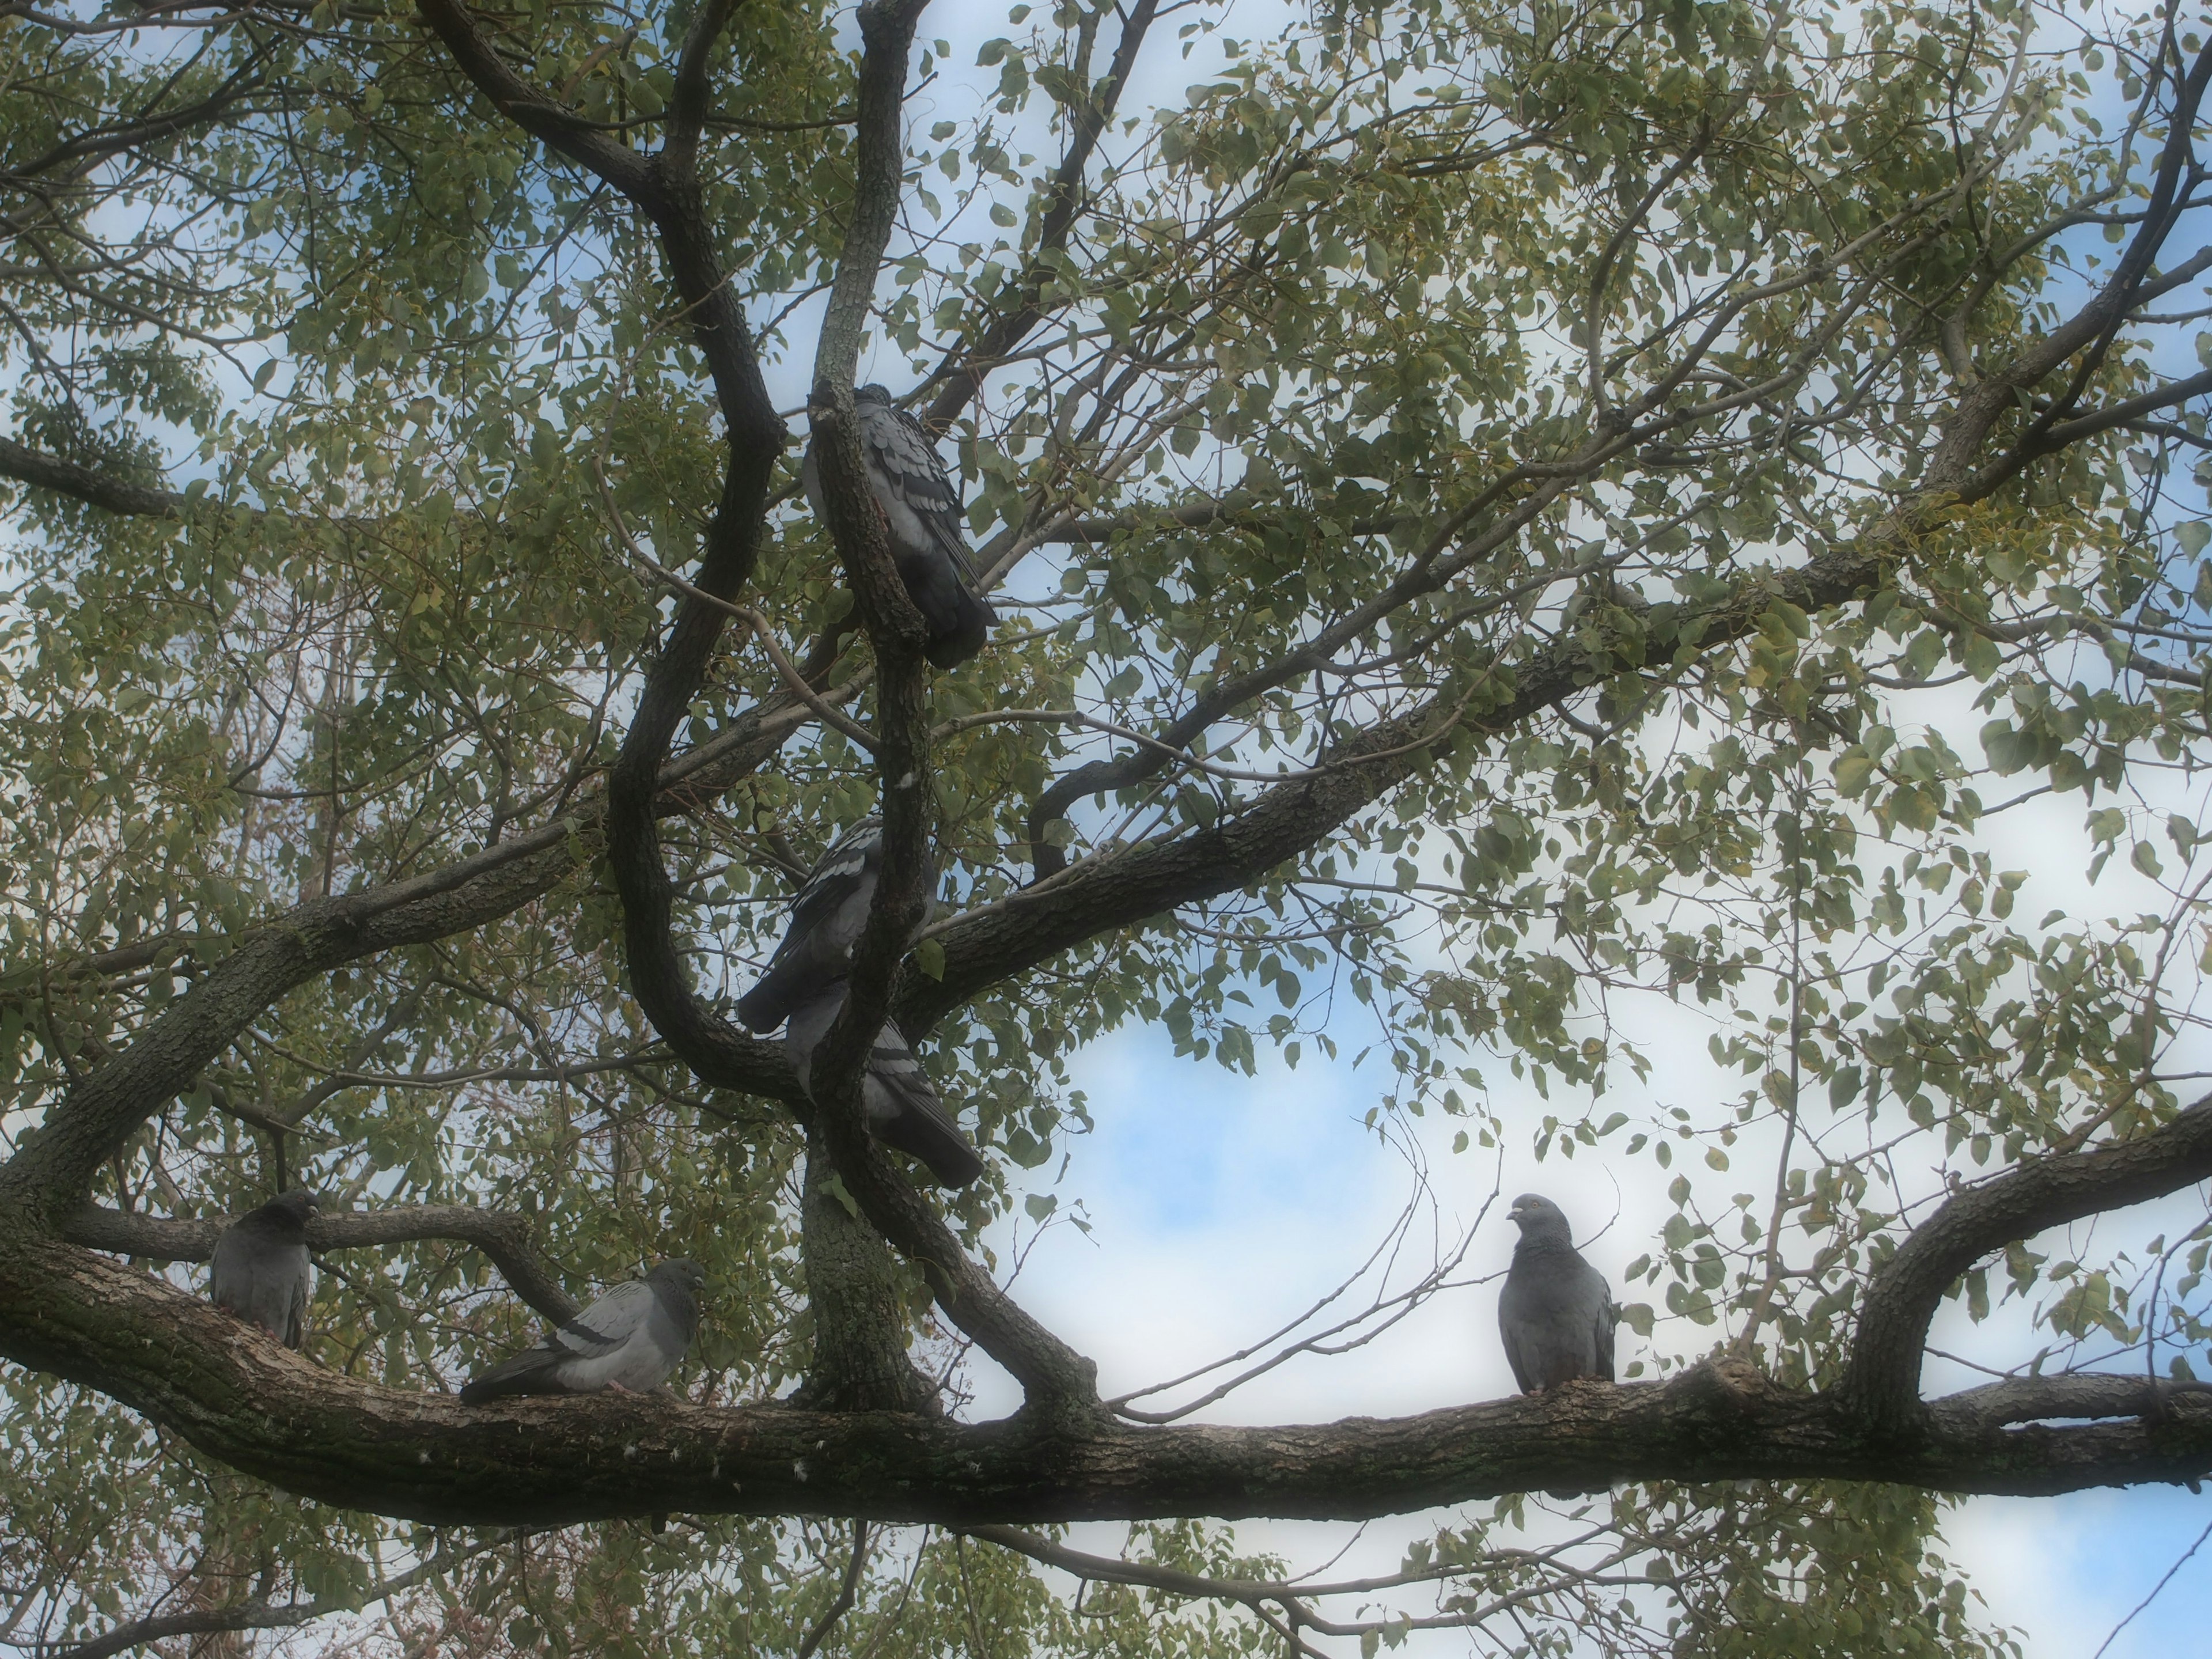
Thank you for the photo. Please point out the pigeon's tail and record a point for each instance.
(973, 620)
(927, 1133)
(904, 1111)
(526, 1373)
(812, 962)
(763, 1007)
(794, 977)
(959, 622)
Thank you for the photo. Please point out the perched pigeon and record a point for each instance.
(826, 920)
(630, 1340)
(806, 984)
(921, 512)
(1555, 1313)
(260, 1270)
(902, 1110)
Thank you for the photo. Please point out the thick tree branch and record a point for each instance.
(86, 484)
(261, 1408)
(502, 1237)
(887, 32)
(2119, 414)
(1051, 1373)
(687, 104)
(1037, 923)
(1884, 1374)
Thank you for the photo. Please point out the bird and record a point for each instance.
(260, 1269)
(805, 986)
(629, 1341)
(902, 1109)
(826, 920)
(1556, 1313)
(921, 513)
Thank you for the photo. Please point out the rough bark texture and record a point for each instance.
(250, 1403)
(856, 1296)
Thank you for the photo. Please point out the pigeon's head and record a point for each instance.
(1540, 1220)
(874, 392)
(289, 1213)
(686, 1275)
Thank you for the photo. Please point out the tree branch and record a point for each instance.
(252, 1404)
(502, 1237)
(259, 1614)
(1052, 1373)
(1884, 1372)
(86, 484)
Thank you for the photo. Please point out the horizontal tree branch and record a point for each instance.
(85, 484)
(246, 1401)
(503, 1238)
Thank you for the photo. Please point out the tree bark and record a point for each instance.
(250, 1403)
(858, 1299)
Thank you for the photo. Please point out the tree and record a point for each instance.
(1501, 509)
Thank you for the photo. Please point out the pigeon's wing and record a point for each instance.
(904, 1111)
(535, 1371)
(295, 1311)
(227, 1276)
(593, 1337)
(810, 480)
(923, 507)
(1609, 1318)
(607, 1323)
(902, 458)
(850, 864)
(826, 919)
(260, 1280)
(1513, 1332)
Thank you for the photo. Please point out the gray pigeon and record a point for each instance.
(1555, 1313)
(630, 1340)
(902, 1110)
(921, 512)
(825, 924)
(806, 984)
(260, 1269)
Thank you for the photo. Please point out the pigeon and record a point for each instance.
(629, 1341)
(260, 1270)
(902, 1110)
(921, 513)
(805, 984)
(826, 920)
(1555, 1313)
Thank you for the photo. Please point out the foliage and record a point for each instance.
(1470, 381)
